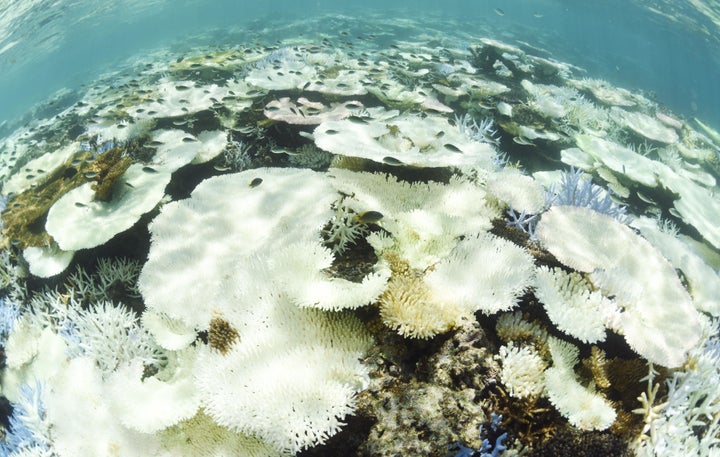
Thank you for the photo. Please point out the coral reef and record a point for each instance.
(347, 248)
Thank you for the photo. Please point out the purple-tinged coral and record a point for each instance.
(575, 190)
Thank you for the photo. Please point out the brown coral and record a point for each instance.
(221, 335)
(106, 170)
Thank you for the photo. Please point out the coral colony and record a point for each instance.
(376, 249)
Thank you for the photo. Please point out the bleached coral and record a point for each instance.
(292, 372)
(644, 125)
(344, 228)
(78, 390)
(308, 112)
(29, 431)
(308, 156)
(408, 307)
(300, 271)
(483, 273)
(528, 372)
(583, 407)
(110, 335)
(576, 190)
(658, 318)
(522, 370)
(149, 404)
(425, 219)
(114, 279)
(290, 384)
(684, 422)
(47, 261)
(411, 140)
(571, 305)
(703, 280)
(275, 218)
(519, 191)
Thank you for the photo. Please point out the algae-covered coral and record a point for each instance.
(309, 248)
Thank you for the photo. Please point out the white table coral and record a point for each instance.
(658, 318)
(291, 373)
(411, 140)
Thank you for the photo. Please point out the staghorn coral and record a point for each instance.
(343, 228)
(575, 190)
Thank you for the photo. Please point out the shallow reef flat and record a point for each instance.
(371, 238)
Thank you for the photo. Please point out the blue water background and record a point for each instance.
(63, 44)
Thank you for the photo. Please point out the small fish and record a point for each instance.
(129, 185)
(181, 88)
(537, 15)
(440, 134)
(156, 143)
(179, 122)
(452, 147)
(391, 161)
(357, 120)
(220, 168)
(80, 205)
(499, 12)
(188, 139)
(272, 109)
(90, 174)
(522, 141)
(645, 198)
(369, 217)
(255, 182)
(149, 169)
(331, 132)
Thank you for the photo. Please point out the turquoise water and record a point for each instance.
(59, 45)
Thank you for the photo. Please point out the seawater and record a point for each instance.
(668, 49)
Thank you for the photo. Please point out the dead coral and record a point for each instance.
(425, 395)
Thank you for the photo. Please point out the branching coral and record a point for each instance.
(685, 421)
(575, 190)
(110, 335)
(29, 427)
(344, 228)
